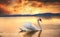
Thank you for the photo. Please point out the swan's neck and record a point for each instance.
(39, 23)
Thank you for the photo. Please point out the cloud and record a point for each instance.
(5, 1)
(50, 0)
(47, 7)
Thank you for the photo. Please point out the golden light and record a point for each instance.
(29, 7)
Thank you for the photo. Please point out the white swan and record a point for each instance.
(29, 27)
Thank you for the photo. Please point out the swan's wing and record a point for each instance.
(24, 29)
(31, 27)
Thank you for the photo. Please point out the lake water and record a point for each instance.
(9, 27)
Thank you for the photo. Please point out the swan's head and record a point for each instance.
(39, 19)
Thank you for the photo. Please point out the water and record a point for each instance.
(9, 27)
(22, 34)
(44, 33)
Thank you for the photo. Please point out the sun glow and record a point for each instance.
(28, 7)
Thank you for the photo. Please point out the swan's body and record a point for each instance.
(29, 27)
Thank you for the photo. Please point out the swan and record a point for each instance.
(27, 26)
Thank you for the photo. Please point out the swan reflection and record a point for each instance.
(30, 34)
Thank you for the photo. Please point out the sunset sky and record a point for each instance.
(32, 7)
